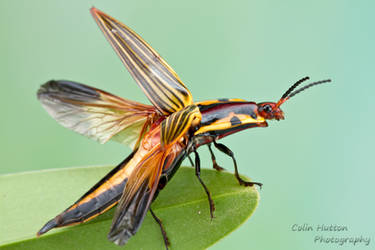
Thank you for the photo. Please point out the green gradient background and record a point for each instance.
(317, 166)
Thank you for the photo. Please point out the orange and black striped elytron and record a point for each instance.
(161, 135)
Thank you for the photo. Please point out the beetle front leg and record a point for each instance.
(213, 158)
(229, 152)
(198, 174)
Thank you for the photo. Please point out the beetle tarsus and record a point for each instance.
(229, 152)
(198, 173)
(213, 158)
(163, 232)
(217, 167)
(249, 183)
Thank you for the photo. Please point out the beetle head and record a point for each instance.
(269, 111)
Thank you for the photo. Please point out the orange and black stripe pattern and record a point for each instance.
(225, 116)
(157, 79)
(100, 198)
(177, 124)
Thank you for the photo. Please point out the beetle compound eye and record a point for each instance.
(267, 108)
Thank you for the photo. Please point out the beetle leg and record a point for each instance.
(229, 152)
(166, 241)
(191, 161)
(215, 165)
(198, 173)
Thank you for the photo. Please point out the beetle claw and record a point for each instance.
(217, 167)
(250, 183)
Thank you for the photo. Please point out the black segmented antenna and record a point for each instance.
(307, 86)
(289, 93)
(294, 86)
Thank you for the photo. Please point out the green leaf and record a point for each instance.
(28, 200)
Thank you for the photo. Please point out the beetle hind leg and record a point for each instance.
(229, 152)
(198, 174)
(163, 232)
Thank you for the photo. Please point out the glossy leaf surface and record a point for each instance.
(28, 200)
